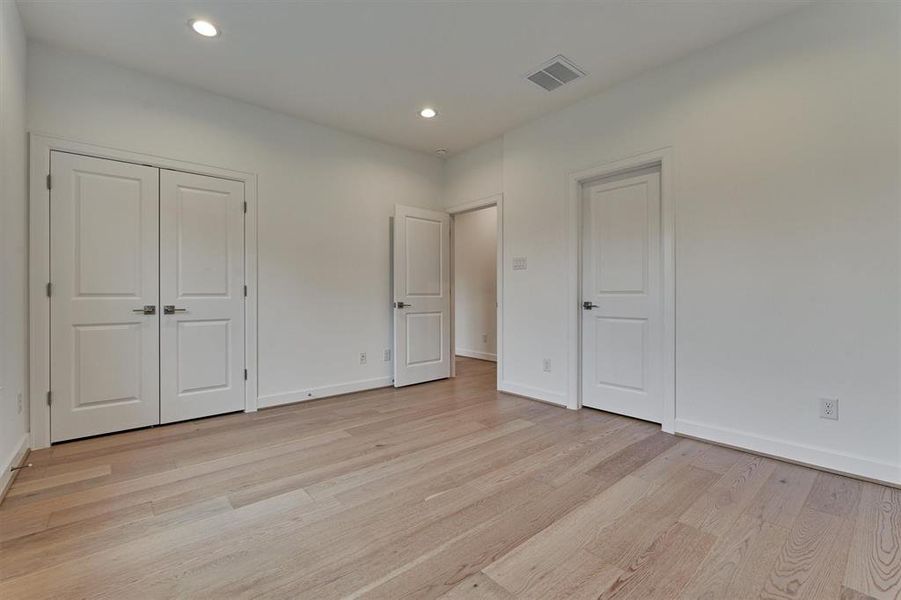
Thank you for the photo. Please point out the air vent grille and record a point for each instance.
(555, 73)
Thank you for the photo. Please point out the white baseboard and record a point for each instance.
(13, 460)
(533, 393)
(476, 354)
(813, 456)
(323, 391)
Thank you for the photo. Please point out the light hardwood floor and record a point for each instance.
(447, 489)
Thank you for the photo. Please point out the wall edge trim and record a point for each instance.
(810, 456)
(16, 459)
(324, 391)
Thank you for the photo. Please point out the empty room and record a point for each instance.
(480, 299)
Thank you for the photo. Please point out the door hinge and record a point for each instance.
(245, 206)
(49, 289)
(245, 374)
(49, 397)
(49, 182)
(245, 290)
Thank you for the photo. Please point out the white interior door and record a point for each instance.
(622, 312)
(421, 295)
(202, 296)
(104, 251)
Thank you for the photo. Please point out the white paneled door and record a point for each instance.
(622, 309)
(104, 252)
(202, 296)
(147, 296)
(421, 295)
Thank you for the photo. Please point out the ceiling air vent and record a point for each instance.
(555, 72)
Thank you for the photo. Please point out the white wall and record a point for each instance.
(474, 174)
(475, 283)
(325, 199)
(786, 145)
(13, 235)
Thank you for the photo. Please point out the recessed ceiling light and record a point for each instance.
(427, 113)
(204, 28)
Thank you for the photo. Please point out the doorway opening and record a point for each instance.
(475, 284)
(477, 291)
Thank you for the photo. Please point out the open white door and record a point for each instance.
(104, 337)
(421, 295)
(202, 293)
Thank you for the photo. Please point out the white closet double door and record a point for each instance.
(147, 296)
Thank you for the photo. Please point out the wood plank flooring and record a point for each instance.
(447, 489)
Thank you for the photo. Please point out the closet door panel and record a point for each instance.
(104, 268)
(202, 292)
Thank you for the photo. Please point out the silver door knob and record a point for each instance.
(169, 309)
(587, 305)
(149, 309)
(402, 305)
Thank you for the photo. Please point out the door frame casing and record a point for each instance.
(496, 200)
(40, 147)
(663, 158)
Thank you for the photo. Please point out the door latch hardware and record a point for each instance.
(402, 305)
(149, 309)
(169, 309)
(587, 305)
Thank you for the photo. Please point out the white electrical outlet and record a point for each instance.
(547, 365)
(19, 402)
(362, 358)
(829, 408)
(387, 355)
(484, 338)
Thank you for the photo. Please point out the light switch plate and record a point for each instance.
(520, 263)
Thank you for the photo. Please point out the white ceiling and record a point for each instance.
(369, 66)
